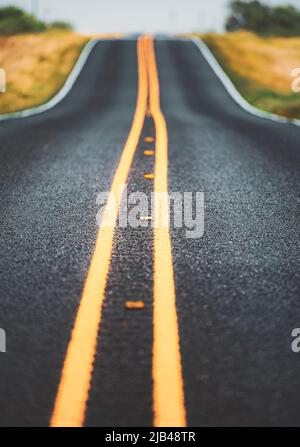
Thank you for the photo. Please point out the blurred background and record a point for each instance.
(174, 16)
(256, 42)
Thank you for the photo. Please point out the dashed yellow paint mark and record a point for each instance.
(134, 305)
(149, 139)
(73, 391)
(149, 176)
(146, 218)
(149, 153)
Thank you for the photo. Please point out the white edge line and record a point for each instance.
(232, 90)
(70, 81)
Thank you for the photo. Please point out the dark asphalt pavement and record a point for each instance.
(237, 287)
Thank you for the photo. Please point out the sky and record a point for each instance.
(127, 16)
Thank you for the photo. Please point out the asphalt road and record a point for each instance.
(237, 287)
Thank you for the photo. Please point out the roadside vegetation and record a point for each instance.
(36, 66)
(260, 53)
(16, 21)
(263, 19)
(260, 68)
(36, 57)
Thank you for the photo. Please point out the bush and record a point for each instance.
(264, 20)
(61, 25)
(15, 21)
(10, 11)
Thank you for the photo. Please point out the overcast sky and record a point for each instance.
(135, 15)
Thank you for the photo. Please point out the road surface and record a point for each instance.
(237, 286)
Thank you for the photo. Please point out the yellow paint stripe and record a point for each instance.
(149, 176)
(148, 153)
(168, 394)
(149, 139)
(135, 305)
(73, 391)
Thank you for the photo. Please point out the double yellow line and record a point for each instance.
(168, 397)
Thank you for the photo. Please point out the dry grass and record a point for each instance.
(36, 66)
(261, 68)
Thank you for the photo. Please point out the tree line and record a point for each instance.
(264, 19)
(16, 21)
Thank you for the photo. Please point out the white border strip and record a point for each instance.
(71, 79)
(232, 90)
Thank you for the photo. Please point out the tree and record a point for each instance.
(262, 19)
(14, 21)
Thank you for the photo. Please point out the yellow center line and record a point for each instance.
(168, 394)
(73, 391)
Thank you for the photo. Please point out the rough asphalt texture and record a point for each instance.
(237, 286)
